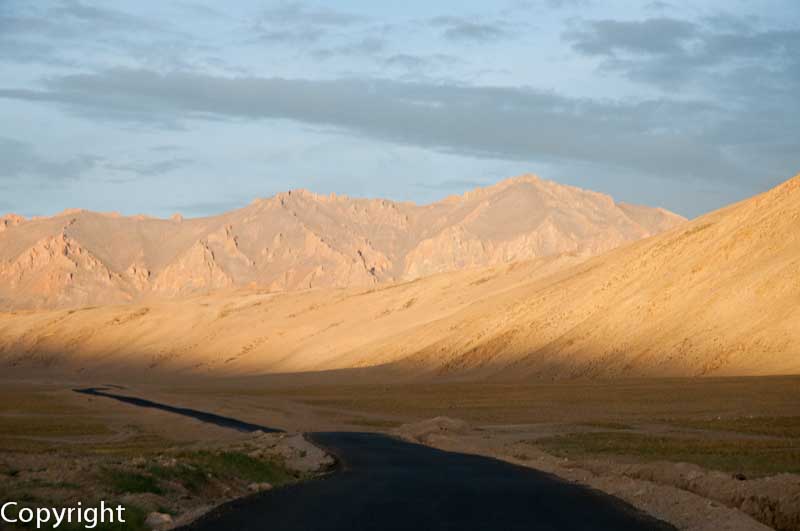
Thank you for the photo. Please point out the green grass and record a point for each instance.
(192, 478)
(242, 466)
(194, 468)
(772, 426)
(122, 482)
(753, 457)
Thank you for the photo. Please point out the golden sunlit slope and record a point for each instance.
(250, 332)
(301, 240)
(720, 295)
(717, 296)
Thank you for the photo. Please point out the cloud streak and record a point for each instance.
(21, 160)
(297, 23)
(594, 94)
(665, 138)
(462, 29)
(150, 168)
(650, 36)
(668, 52)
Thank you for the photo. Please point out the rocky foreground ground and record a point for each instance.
(162, 488)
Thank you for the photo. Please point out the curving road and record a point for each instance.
(384, 484)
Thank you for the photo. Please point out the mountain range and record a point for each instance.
(719, 295)
(301, 240)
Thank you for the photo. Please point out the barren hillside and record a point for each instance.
(717, 296)
(300, 240)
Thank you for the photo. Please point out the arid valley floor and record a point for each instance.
(700, 454)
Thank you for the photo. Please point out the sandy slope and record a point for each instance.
(252, 331)
(720, 295)
(300, 240)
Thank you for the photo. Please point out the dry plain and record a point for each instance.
(721, 450)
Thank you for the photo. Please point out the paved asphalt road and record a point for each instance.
(210, 418)
(384, 484)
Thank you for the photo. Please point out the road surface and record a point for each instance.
(384, 484)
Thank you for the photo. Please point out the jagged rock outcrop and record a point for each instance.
(196, 270)
(302, 240)
(10, 220)
(57, 270)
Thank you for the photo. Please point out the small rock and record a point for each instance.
(158, 521)
(138, 461)
(259, 487)
(693, 475)
(168, 462)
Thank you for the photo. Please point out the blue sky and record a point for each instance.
(159, 107)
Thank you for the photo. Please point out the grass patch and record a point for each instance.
(630, 401)
(122, 481)
(194, 469)
(608, 425)
(749, 456)
(43, 484)
(773, 426)
(25, 446)
(238, 465)
(23, 400)
(8, 470)
(166, 510)
(192, 478)
(50, 426)
(136, 445)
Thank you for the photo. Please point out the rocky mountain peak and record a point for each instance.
(300, 239)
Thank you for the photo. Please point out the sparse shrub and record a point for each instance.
(122, 481)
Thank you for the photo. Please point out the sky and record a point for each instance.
(157, 107)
